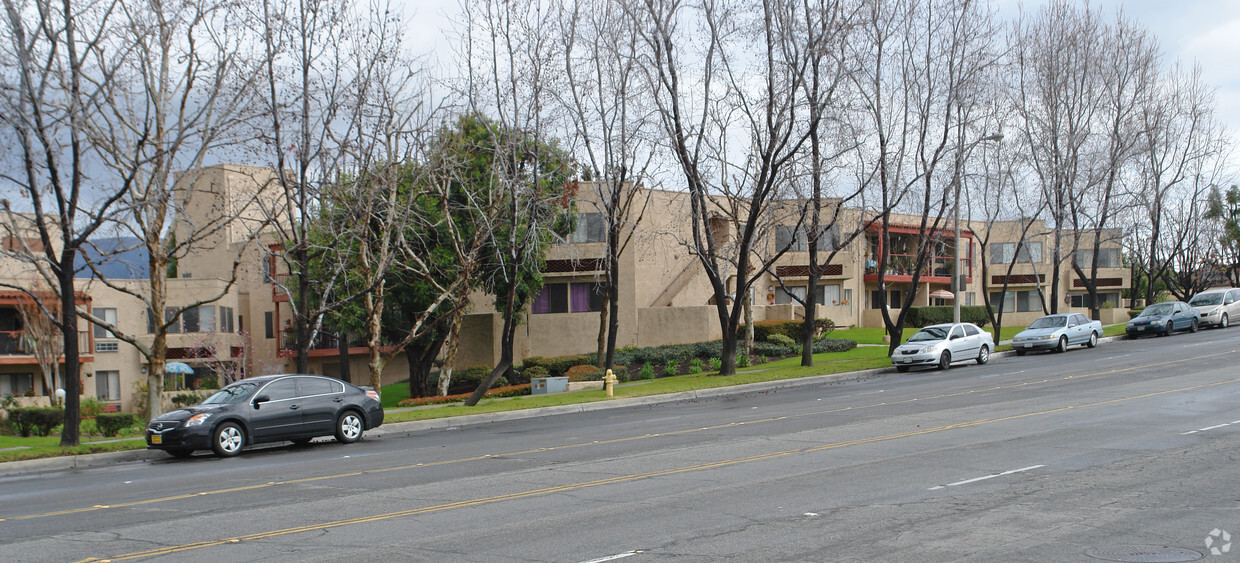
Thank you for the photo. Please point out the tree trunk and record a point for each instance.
(603, 323)
(505, 350)
(70, 432)
(613, 303)
(748, 304)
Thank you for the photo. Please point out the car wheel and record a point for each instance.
(227, 440)
(983, 355)
(945, 361)
(180, 453)
(301, 441)
(1222, 323)
(349, 427)
(1063, 345)
(1020, 352)
(1093, 340)
(1192, 327)
(902, 369)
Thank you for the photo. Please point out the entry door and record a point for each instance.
(280, 414)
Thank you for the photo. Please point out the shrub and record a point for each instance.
(1133, 312)
(926, 316)
(834, 345)
(695, 365)
(535, 371)
(762, 330)
(716, 364)
(181, 400)
(90, 407)
(36, 420)
(647, 371)
(742, 361)
(558, 365)
(495, 392)
(672, 367)
(782, 340)
(584, 373)
(468, 379)
(110, 424)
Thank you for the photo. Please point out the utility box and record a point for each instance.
(547, 385)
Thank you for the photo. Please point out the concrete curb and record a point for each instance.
(62, 463)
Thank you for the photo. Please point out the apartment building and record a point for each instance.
(665, 296)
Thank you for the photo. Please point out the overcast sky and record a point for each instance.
(1205, 31)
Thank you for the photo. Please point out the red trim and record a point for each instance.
(915, 230)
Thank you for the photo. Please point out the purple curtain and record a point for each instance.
(542, 303)
(580, 297)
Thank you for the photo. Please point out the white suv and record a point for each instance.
(1217, 306)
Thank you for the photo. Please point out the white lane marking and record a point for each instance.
(976, 479)
(1216, 426)
(614, 557)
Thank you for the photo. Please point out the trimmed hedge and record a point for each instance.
(36, 420)
(925, 316)
(110, 424)
(495, 392)
(762, 330)
(556, 366)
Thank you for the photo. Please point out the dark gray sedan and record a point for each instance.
(1163, 319)
(271, 408)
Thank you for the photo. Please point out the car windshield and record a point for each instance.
(1157, 310)
(232, 394)
(1206, 299)
(929, 333)
(1049, 322)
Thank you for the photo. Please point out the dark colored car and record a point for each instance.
(1163, 319)
(271, 408)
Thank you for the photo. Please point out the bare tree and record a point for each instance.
(59, 59)
(1057, 57)
(182, 94)
(611, 119)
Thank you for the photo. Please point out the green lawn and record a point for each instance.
(39, 447)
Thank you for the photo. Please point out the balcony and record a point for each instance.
(326, 344)
(900, 267)
(17, 348)
(902, 253)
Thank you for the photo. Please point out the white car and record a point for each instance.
(1217, 306)
(942, 345)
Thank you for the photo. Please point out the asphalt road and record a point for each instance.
(1127, 448)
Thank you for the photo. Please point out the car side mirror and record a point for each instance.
(260, 400)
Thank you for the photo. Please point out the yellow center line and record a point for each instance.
(625, 478)
(589, 444)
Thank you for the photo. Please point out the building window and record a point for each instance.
(108, 385)
(198, 319)
(1004, 252)
(591, 227)
(268, 264)
(109, 346)
(1107, 258)
(1108, 299)
(269, 324)
(1016, 301)
(794, 239)
(226, 320)
(108, 315)
(785, 295)
(586, 297)
(968, 299)
(16, 384)
(579, 297)
(170, 318)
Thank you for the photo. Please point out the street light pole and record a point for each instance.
(957, 284)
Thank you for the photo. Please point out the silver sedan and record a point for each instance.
(942, 345)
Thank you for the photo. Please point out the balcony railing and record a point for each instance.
(16, 343)
(903, 265)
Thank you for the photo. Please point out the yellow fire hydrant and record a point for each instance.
(609, 381)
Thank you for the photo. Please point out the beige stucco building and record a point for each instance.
(664, 294)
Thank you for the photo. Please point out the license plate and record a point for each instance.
(902, 361)
(1028, 345)
(157, 439)
(1140, 328)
